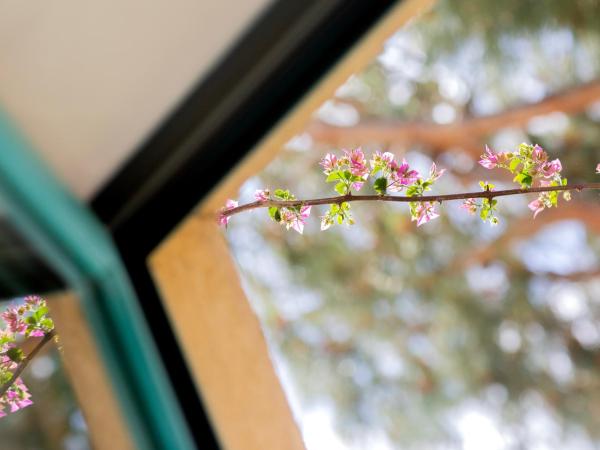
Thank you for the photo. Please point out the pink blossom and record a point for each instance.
(469, 205)
(424, 212)
(295, 219)
(434, 173)
(262, 195)
(17, 397)
(537, 206)
(550, 168)
(33, 300)
(598, 168)
(401, 176)
(489, 159)
(326, 222)
(329, 163)
(14, 321)
(5, 360)
(383, 159)
(539, 155)
(357, 162)
(357, 185)
(229, 204)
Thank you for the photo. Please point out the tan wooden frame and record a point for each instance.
(218, 331)
(83, 365)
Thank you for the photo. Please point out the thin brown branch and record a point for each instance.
(23, 364)
(404, 199)
(465, 134)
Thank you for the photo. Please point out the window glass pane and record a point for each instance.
(455, 334)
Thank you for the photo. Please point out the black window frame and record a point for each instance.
(273, 65)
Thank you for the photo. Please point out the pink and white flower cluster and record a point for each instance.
(17, 397)
(532, 168)
(28, 319)
(295, 218)
(350, 171)
(423, 213)
(397, 176)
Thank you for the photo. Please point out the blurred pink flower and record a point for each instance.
(469, 205)
(14, 320)
(402, 175)
(424, 213)
(489, 159)
(434, 173)
(383, 159)
(295, 219)
(357, 162)
(262, 195)
(229, 204)
(550, 168)
(17, 397)
(537, 206)
(539, 155)
(329, 163)
(33, 300)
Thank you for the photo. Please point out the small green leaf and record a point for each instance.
(41, 312)
(47, 323)
(274, 213)
(15, 354)
(413, 190)
(340, 219)
(376, 169)
(341, 188)
(380, 185)
(6, 376)
(524, 179)
(514, 164)
(335, 175)
(6, 339)
(281, 194)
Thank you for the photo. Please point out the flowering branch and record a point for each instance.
(25, 362)
(26, 320)
(530, 165)
(403, 199)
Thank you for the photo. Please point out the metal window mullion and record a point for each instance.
(70, 238)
